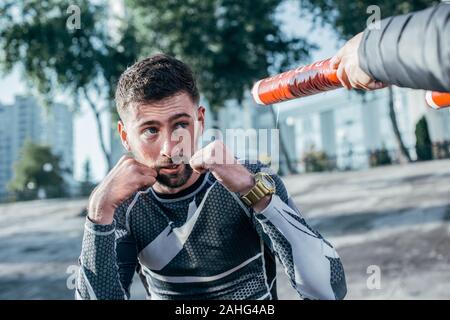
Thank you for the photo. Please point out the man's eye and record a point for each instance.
(181, 125)
(150, 131)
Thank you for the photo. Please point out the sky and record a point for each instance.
(86, 145)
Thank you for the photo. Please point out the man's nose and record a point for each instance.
(167, 147)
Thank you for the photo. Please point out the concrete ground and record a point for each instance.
(392, 220)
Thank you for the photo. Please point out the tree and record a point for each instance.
(229, 43)
(424, 147)
(38, 169)
(81, 62)
(86, 185)
(351, 17)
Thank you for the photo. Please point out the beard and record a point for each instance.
(175, 180)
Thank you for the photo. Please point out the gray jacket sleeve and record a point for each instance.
(411, 50)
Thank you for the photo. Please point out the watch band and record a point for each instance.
(259, 191)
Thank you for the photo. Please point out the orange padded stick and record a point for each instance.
(312, 79)
(437, 100)
(301, 82)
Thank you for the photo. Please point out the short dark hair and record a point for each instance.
(155, 78)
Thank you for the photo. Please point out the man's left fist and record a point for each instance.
(218, 159)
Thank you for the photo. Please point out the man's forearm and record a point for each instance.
(312, 264)
(98, 277)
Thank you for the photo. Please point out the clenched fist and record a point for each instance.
(122, 181)
(218, 159)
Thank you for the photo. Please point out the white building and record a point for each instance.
(20, 121)
(347, 126)
(25, 120)
(58, 133)
(5, 149)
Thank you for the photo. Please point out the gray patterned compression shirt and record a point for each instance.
(205, 243)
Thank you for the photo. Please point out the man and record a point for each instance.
(411, 50)
(207, 227)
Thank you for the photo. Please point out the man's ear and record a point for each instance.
(201, 118)
(123, 135)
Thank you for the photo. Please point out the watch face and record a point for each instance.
(268, 183)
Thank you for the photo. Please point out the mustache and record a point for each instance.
(170, 162)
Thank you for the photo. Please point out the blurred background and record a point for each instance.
(369, 170)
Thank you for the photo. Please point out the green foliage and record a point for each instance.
(38, 168)
(380, 157)
(229, 43)
(350, 17)
(317, 161)
(424, 148)
(34, 34)
(83, 64)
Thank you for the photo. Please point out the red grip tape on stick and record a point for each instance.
(312, 79)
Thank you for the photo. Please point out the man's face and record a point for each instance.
(164, 135)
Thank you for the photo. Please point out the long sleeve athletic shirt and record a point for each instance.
(411, 50)
(205, 243)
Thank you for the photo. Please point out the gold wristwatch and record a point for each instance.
(264, 185)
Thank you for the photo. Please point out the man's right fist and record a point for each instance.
(122, 181)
